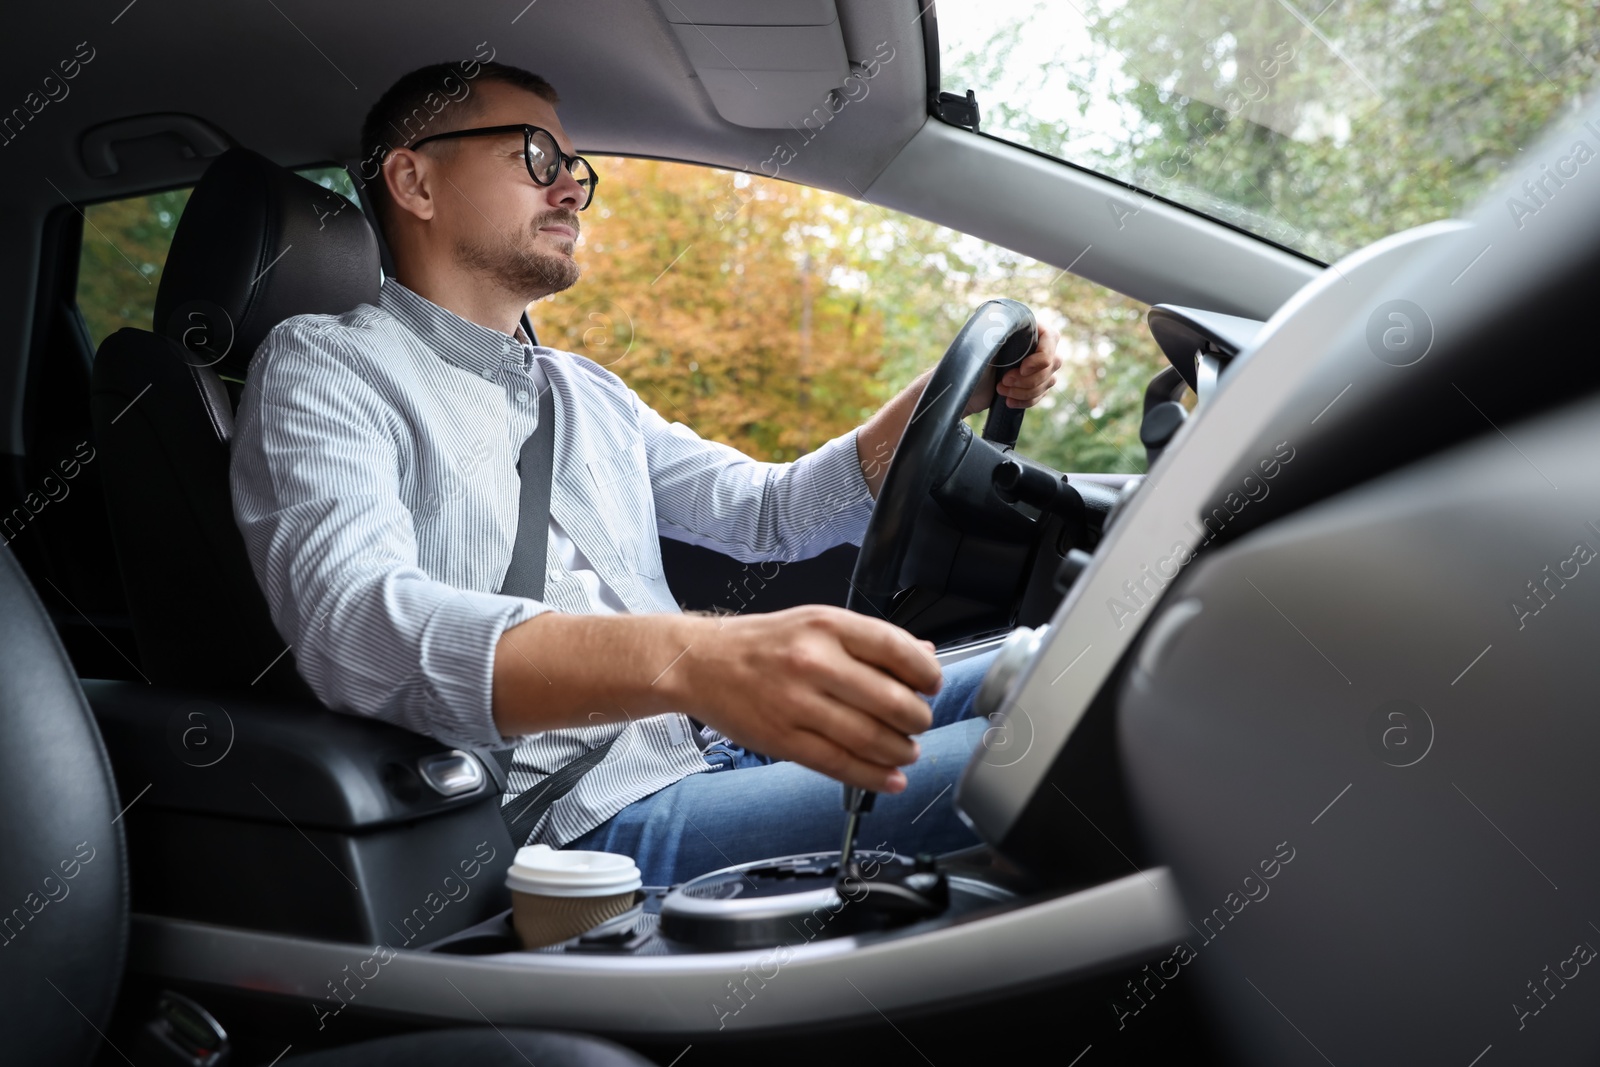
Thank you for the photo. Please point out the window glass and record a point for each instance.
(335, 178)
(124, 248)
(773, 317)
(1322, 125)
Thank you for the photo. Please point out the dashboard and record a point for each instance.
(1163, 524)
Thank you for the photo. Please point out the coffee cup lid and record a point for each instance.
(571, 872)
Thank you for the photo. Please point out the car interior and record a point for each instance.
(1243, 675)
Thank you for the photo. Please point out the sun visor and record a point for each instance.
(764, 65)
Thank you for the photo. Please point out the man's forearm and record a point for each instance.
(557, 670)
(878, 436)
(830, 689)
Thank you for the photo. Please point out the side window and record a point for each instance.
(124, 249)
(773, 317)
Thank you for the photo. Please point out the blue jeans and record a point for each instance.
(751, 807)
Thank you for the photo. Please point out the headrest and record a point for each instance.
(256, 244)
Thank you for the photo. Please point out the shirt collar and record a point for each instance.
(466, 344)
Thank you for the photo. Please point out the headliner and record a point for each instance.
(297, 90)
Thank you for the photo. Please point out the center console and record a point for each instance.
(777, 904)
(312, 858)
(629, 977)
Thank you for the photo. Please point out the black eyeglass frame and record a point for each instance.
(527, 130)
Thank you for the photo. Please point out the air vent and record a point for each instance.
(764, 65)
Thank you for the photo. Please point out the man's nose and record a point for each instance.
(565, 192)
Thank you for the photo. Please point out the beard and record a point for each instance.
(517, 266)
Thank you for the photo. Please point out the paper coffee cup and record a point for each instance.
(557, 894)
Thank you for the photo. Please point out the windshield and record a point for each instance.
(1319, 125)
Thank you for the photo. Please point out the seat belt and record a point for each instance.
(524, 813)
(536, 467)
(525, 577)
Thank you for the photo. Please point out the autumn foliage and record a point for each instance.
(716, 298)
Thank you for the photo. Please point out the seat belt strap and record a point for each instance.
(525, 576)
(523, 813)
(535, 466)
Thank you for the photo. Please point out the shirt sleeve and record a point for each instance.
(315, 475)
(710, 494)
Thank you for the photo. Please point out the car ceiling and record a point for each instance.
(293, 79)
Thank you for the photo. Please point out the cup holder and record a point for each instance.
(482, 945)
(498, 937)
(622, 933)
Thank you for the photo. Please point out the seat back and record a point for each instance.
(63, 882)
(256, 245)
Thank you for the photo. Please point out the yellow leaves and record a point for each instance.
(730, 274)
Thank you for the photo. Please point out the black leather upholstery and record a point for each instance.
(63, 888)
(256, 244)
(259, 243)
(162, 428)
(63, 880)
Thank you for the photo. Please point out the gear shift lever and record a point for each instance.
(857, 802)
(896, 894)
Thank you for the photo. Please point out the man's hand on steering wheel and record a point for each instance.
(1024, 385)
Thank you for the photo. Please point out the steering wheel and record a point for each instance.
(997, 337)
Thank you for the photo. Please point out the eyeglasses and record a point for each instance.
(540, 151)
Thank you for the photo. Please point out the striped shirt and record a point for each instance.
(374, 479)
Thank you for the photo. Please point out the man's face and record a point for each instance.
(497, 223)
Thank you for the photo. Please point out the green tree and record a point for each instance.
(1375, 117)
(124, 248)
(1327, 131)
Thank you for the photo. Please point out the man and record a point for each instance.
(375, 479)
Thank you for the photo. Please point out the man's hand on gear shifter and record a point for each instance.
(830, 689)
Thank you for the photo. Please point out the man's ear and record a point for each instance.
(410, 183)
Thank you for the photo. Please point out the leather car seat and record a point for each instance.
(64, 882)
(256, 244)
